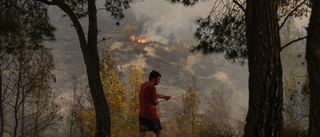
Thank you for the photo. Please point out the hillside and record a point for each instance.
(169, 55)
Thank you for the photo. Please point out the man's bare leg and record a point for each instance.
(158, 134)
(142, 134)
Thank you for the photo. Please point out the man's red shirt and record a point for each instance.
(146, 107)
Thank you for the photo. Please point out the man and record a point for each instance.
(148, 101)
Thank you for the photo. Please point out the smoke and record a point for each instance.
(164, 21)
(168, 23)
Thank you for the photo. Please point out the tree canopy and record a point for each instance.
(24, 23)
(223, 30)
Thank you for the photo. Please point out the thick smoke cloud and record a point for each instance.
(165, 21)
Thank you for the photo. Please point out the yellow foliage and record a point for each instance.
(171, 127)
(187, 122)
(132, 103)
(87, 121)
(191, 104)
(122, 100)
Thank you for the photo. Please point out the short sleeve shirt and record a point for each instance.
(146, 107)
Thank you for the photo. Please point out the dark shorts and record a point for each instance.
(149, 125)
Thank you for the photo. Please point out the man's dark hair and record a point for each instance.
(154, 74)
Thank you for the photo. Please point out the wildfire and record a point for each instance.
(133, 37)
(185, 45)
(140, 40)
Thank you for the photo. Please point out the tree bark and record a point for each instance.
(313, 59)
(264, 118)
(92, 62)
(91, 57)
(1, 101)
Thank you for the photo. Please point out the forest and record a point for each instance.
(233, 67)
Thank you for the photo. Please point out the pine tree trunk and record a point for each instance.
(103, 120)
(92, 62)
(264, 118)
(313, 59)
(1, 101)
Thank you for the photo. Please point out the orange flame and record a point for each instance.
(140, 40)
(133, 37)
(185, 45)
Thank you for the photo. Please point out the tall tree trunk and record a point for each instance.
(313, 59)
(19, 87)
(22, 111)
(264, 118)
(103, 121)
(1, 101)
(92, 62)
(36, 123)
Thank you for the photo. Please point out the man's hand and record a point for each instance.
(167, 97)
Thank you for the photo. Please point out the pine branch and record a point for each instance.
(47, 2)
(240, 6)
(293, 41)
(290, 14)
(67, 9)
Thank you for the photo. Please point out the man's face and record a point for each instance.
(157, 81)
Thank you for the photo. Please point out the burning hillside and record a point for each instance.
(140, 40)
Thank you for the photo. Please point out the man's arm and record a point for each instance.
(156, 102)
(166, 97)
